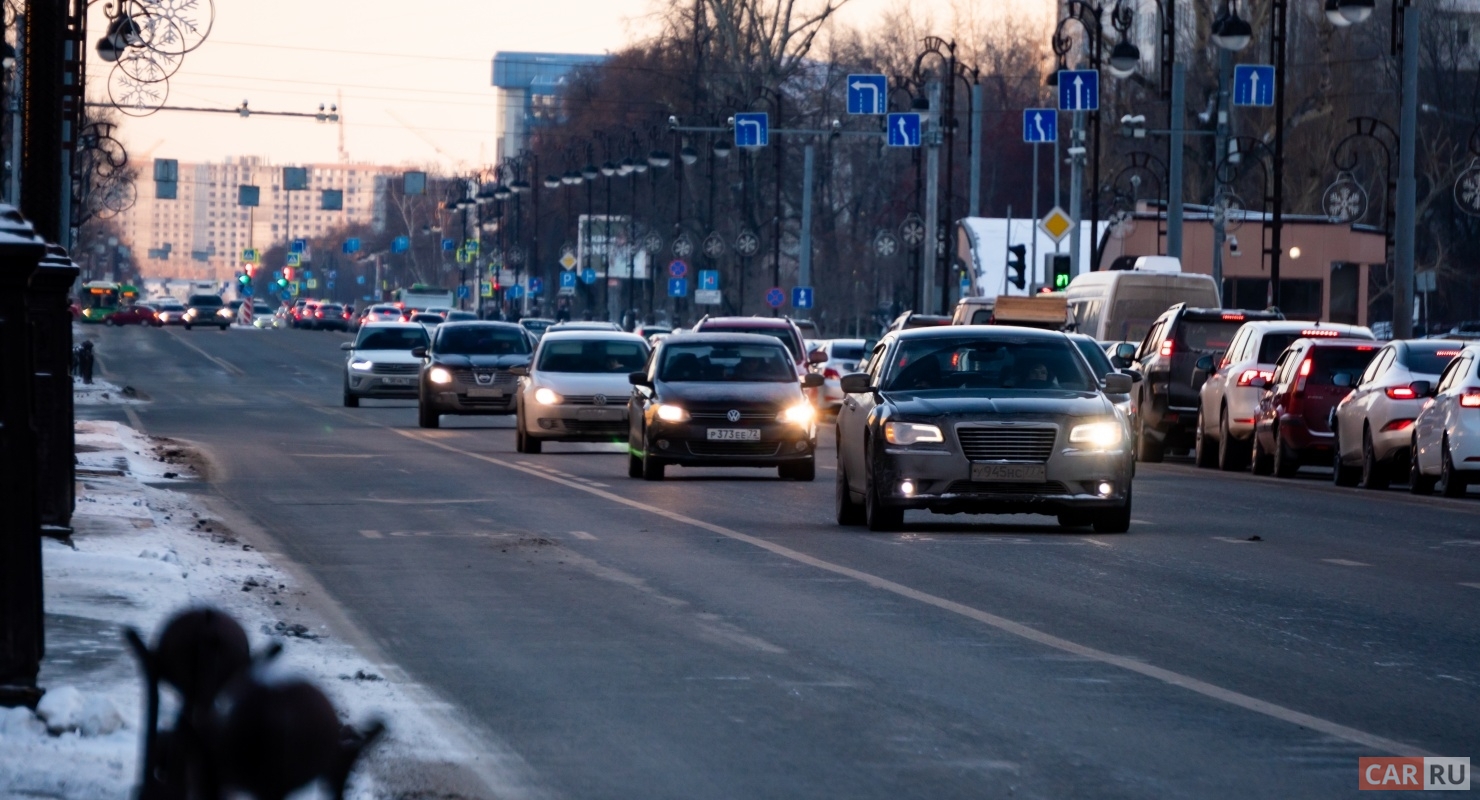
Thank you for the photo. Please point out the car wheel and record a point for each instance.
(109, 321)
(652, 468)
(799, 470)
(427, 417)
(1115, 520)
(1075, 519)
(848, 511)
(1205, 450)
(1232, 454)
(1341, 474)
(226, 327)
(634, 466)
(1147, 449)
(1454, 485)
(1261, 463)
(1374, 473)
(351, 400)
(879, 516)
(1418, 483)
(187, 326)
(1286, 463)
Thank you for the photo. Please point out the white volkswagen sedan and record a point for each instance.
(379, 363)
(576, 388)
(1446, 435)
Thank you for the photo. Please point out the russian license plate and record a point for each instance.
(601, 414)
(480, 391)
(398, 381)
(1009, 473)
(734, 434)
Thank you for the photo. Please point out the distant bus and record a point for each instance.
(101, 298)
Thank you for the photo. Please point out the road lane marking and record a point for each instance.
(1128, 663)
(583, 535)
(133, 418)
(222, 363)
(333, 455)
(370, 534)
(602, 485)
(1471, 585)
(1345, 562)
(1232, 540)
(1096, 542)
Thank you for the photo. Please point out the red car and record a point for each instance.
(1293, 423)
(137, 314)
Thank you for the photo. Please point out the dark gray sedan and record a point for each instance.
(982, 420)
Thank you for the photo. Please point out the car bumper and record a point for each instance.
(688, 444)
(1464, 441)
(943, 484)
(451, 402)
(1387, 445)
(1299, 437)
(576, 423)
(1243, 410)
(372, 385)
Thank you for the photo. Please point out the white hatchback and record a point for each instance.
(1446, 435)
(576, 388)
(1373, 423)
(379, 363)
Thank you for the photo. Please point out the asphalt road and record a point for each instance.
(718, 636)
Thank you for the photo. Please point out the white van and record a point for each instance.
(1120, 305)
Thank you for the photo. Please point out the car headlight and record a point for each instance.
(546, 397)
(439, 375)
(911, 433)
(1098, 435)
(799, 414)
(190, 313)
(672, 413)
(223, 312)
(361, 364)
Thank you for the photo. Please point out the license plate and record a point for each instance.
(479, 391)
(734, 434)
(600, 414)
(398, 381)
(1009, 473)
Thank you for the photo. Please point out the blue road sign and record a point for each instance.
(329, 284)
(775, 298)
(678, 269)
(801, 296)
(462, 291)
(401, 244)
(588, 275)
(868, 94)
(709, 279)
(448, 245)
(251, 255)
(285, 296)
(1040, 125)
(360, 279)
(567, 279)
(516, 291)
(678, 287)
(247, 290)
(536, 286)
(752, 129)
(904, 130)
(1253, 85)
(299, 245)
(1079, 90)
(351, 245)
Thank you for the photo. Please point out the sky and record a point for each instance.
(412, 79)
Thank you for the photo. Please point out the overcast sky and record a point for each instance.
(413, 79)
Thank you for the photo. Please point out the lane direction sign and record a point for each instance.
(801, 296)
(904, 130)
(752, 129)
(1040, 125)
(588, 275)
(1253, 85)
(868, 94)
(1079, 90)
(678, 287)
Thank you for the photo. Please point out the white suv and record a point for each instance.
(1373, 423)
(1228, 403)
(576, 388)
(1446, 435)
(379, 362)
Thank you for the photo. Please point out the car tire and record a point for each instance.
(427, 417)
(849, 512)
(1075, 519)
(878, 516)
(1205, 450)
(187, 326)
(652, 468)
(1418, 483)
(1454, 485)
(634, 466)
(1375, 474)
(1286, 463)
(226, 327)
(351, 400)
(108, 321)
(1147, 449)
(799, 470)
(1341, 474)
(1115, 520)
(1233, 455)
(1261, 463)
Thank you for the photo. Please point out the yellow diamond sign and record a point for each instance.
(568, 260)
(1056, 224)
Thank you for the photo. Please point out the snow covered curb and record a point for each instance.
(102, 393)
(141, 552)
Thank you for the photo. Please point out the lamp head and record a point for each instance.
(608, 168)
(688, 154)
(1356, 11)
(1232, 32)
(1124, 58)
(659, 158)
(722, 148)
(552, 181)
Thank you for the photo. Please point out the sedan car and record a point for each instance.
(380, 363)
(208, 309)
(1372, 424)
(136, 314)
(842, 357)
(380, 313)
(536, 325)
(721, 400)
(982, 420)
(1446, 435)
(467, 369)
(330, 317)
(1292, 426)
(575, 388)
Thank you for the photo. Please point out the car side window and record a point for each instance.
(876, 364)
(1282, 367)
(1153, 338)
(1236, 350)
(1377, 367)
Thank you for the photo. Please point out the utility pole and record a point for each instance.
(932, 199)
(1406, 216)
(1174, 190)
(1220, 221)
(1076, 193)
(804, 267)
(975, 201)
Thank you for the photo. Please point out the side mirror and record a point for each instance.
(1125, 351)
(418, 352)
(1135, 374)
(1118, 383)
(812, 380)
(1259, 383)
(346, 345)
(1119, 363)
(520, 371)
(817, 357)
(638, 379)
(1422, 388)
(1342, 380)
(856, 383)
(1205, 363)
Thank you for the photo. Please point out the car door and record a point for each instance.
(1269, 399)
(1354, 409)
(638, 402)
(853, 421)
(1211, 395)
(1429, 426)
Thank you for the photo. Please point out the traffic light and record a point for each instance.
(288, 274)
(1016, 265)
(1060, 270)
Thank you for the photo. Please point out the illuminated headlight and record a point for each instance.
(164, 317)
(190, 313)
(1098, 435)
(907, 488)
(359, 364)
(546, 397)
(800, 414)
(439, 375)
(911, 433)
(672, 413)
(223, 312)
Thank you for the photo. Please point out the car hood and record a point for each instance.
(386, 356)
(732, 393)
(613, 385)
(1004, 404)
(481, 362)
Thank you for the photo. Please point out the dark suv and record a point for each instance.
(1293, 423)
(1164, 407)
(208, 309)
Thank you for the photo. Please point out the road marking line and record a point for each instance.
(824, 466)
(1345, 562)
(1232, 540)
(370, 534)
(333, 455)
(1096, 542)
(602, 485)
(583, 535)
(133, 418)
(1471, 585)
(1130, 664)
(223, 364)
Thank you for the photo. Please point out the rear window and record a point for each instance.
(332, 309)
(1328, 362)
(391, 339)
(205, 300)
(1431, 361)
(1275, 343)
(783, 334)
(1206, 336)
(847, 352)
(593, 356)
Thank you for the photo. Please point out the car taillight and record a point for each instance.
(1247, 376)
(1321, 333)
(1167, 347)
(1401, 392)
(1304, 374)
(1470, 399)
(831, 374)
(319, 314)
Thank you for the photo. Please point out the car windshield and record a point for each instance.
(1206, 335)
(391, 339)
(537, 325)
(593, 355)
(1099, 363)
(482, 340)
(783, 334)
(1328, 362)
(461, 316)
(751, 363)
(205, 300)
(170, 306)
(847, 352)
(1430, 360)
(975, 362)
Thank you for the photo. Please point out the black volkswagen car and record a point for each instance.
(722, 400)
(982, 420)
(466, 370)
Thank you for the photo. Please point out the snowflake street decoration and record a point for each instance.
(516, 255)
(747, 244)
(683, 246)
(1345, 200)
(714, 245)
(653, 243)
(147, 41)
(1467, 189)
(913, 230)
(885, 244)
(1229, 209)
(1122, 223)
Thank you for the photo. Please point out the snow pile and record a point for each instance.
(103, 393)
(104, 446)
(65, 709)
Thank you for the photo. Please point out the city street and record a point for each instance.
(717, 635)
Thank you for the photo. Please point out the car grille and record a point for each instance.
(723, 416)
(1007, 444)
(969, 487)
(755, 449)
(394, 369)
(590, 399)
(586, 426)
(501, 378)
(486, 402)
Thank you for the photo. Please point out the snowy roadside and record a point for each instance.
(141, 552)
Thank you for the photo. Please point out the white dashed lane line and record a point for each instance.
(1343, 562)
